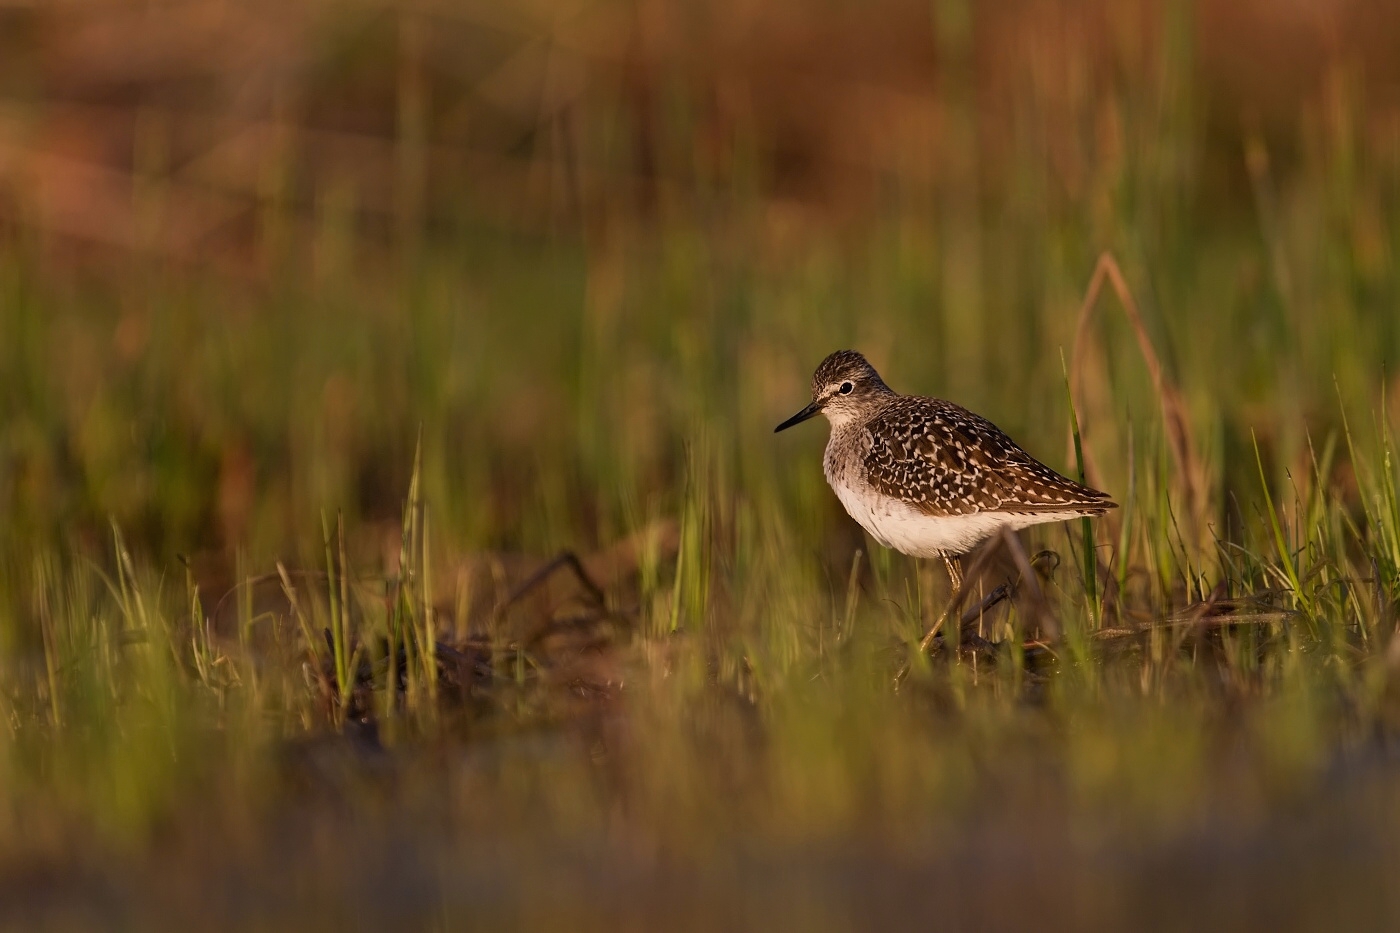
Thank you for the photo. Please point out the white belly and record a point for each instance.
(894, 524)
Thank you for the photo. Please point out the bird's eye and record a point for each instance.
(847, 388)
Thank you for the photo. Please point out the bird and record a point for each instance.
(927, 477)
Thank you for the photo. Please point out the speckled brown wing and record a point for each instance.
(945, 460)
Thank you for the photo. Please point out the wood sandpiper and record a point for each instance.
(926, 477)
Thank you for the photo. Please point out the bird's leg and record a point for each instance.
(954, 565)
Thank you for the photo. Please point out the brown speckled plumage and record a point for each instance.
(926, 476)
(944, 460)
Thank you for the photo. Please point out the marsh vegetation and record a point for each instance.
(327, 330)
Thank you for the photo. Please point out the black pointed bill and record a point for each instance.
(811, 411)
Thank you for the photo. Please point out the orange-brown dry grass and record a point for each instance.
(178, 128)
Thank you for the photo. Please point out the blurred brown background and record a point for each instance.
(188, 129)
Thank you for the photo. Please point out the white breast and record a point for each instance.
(895, 524)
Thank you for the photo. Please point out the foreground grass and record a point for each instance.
(719, 774)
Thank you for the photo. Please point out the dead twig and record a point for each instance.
(1025, 565)
(565, 559)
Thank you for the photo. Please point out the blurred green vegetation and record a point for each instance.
(580, 260)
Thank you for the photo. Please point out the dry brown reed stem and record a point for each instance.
(1175, 416)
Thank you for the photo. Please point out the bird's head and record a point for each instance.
(843, 387)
